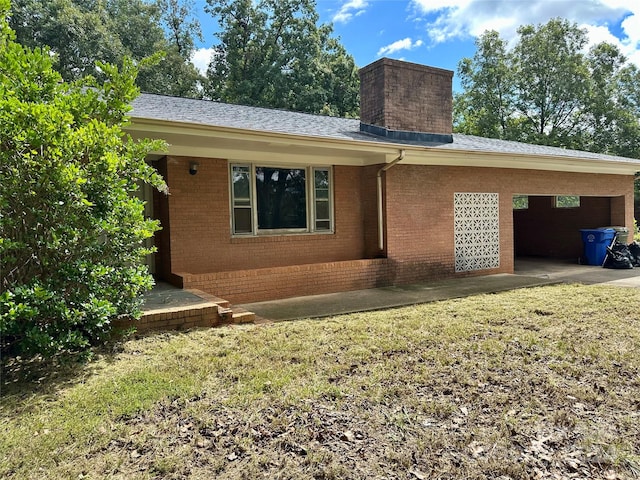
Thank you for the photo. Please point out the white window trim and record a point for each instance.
(310, 198)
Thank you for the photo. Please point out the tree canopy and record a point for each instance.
(548, 90)
(273, 53)
(83, 32)
(71, 226)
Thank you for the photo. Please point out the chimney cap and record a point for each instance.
(385, 61)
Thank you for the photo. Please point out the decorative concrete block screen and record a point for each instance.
(476, 231)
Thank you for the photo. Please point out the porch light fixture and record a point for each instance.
(193, 168)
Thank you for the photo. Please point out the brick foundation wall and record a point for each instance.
(179, 318)
(406, 96)
(256, 285)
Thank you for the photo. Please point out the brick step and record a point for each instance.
(225, 313)
(221, 302)
(240, 315)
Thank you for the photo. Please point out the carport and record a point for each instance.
(548, 226)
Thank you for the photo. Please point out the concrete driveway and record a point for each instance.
(569, 272)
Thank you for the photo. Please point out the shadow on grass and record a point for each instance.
(38, 377)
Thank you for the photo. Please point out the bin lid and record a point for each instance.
(618, 229)
(598, 230)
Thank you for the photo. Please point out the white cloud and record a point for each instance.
(350, 9)
(631, 27)
(201, 59)
(449, 19)
(404, 44)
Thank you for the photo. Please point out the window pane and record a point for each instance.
(567, 201)
(242, 220)
(240, 177)
(323, 225)
(520, 202)
(322, 193)
(322, 179)
(322, 210)
(281, 198)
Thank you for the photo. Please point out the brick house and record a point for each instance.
(269, 204)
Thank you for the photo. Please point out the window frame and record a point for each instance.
(311, 196)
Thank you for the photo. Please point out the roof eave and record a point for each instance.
(198, 140)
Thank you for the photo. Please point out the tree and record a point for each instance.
(628, 142)
(71, 227)
(273, 53)
(175, 75)
(487, 105)
(551, 81)
(545, 90)
(82, 32)
(611, 112)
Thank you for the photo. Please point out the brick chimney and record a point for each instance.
(406, 101)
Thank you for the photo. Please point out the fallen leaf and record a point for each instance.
(429, 422)
(347, 436)
(418, 474)
(203, 443)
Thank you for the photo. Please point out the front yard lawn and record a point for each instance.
(534, 383)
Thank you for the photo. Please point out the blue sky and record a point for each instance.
(441, 32)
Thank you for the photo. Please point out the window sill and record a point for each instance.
(280, 237)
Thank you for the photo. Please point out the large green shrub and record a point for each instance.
(71, 226)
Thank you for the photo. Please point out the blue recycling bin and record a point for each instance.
(596, 241)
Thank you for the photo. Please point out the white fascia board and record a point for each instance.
(520, 162)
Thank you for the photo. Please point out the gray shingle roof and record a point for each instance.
(209, 113)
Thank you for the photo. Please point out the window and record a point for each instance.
(520, 202)
(566, 201)
(280, 200)
(242, 215)
(322, 200)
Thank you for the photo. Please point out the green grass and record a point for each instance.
(542, 381)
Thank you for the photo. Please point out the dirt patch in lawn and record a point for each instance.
(362, 439)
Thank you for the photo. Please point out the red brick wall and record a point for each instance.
(260, 284)
(406, 96)
(201, 240)
(177, 318)
(370, 210)
(418, 234)
(419, 225)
